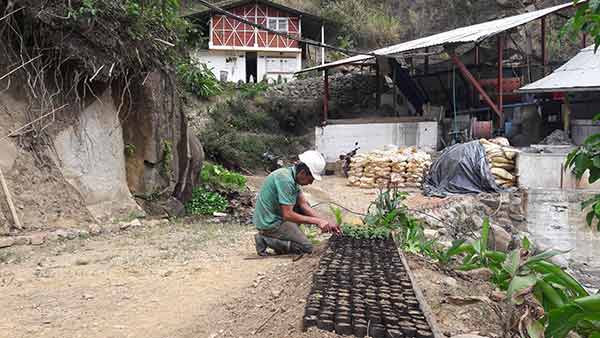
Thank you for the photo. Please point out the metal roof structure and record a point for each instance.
(469, 34)
(581, 73)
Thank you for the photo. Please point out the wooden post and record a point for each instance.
(426, 64)
(395, 87)
(323, 48)
(378, 80)
(325, 97)
(544, 55)
(11, 206)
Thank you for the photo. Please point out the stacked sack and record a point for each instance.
(404, 167)
(501, 158)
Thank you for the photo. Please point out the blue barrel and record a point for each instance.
(508, 128)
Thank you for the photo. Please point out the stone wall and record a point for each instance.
(348, 92)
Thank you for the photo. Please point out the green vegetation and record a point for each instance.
(587, 157)
(198, 79)
(205, 202)
(242, 130)
(388, 216)
(86, 9)
(364, 23)
(218, 178)
(586, 20)
(557, 304)
(129, 149)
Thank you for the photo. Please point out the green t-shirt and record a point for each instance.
(279, 188)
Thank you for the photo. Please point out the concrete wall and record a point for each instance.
(336, 139)
(546, 171)
(231, 63)
(270, 66)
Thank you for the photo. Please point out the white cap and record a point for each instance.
(314, 161)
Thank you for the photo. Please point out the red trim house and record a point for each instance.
(240, 52)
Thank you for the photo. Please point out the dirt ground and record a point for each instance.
(190, 279)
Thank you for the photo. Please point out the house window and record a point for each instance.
(278, 24)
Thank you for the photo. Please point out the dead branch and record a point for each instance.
(21, 66)
(13, 133)
(11, 13)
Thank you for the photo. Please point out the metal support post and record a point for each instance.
(465, 72)
(500, 42)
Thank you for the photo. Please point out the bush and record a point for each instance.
(219, 178)
(204, 202)
(198, 79)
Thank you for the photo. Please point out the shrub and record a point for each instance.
(198, 79)
(219, 178)
(204, 202)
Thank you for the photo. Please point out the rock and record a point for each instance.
(497, 296)
(92, 159)
(174, 208)
(87, 296)
(167, 273)
(6, 242)
(82, 261)
(430, 233)
(8, 155)
(126, 225)
(490, 202)
(499, 239)
(517, 217)
(22, 240)
(95, 229)
(483, 274)
(477, 221)
(38, 239)
(449, 281)
(468, 335)
(276, 292)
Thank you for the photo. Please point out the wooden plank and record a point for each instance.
(11, 206)
(435, 328)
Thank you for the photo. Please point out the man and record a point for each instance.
(281, 207)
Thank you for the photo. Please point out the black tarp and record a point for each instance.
(409, 87)
(460, 169)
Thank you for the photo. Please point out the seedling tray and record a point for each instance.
(362, 288)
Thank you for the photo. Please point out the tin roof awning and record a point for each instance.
(581, 73)
(470, 34)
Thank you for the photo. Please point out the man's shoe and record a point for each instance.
(261, 246)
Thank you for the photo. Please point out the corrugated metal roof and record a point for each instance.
(581, 73)
(469, 34)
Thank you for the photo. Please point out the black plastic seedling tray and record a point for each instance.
(362, 288)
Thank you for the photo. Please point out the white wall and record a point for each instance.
(530, 165)
(232, 62)
(281, 62)
(336, 139)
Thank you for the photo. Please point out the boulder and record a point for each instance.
(92, 160)
(499, 239)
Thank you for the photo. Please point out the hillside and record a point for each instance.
(365, 24)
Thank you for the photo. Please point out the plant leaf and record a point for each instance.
(511, 264)
(525, 243)
(485, 230)
(535, 329)
(545, 255)
(519, 283)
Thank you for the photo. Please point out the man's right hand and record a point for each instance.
(326, 226)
